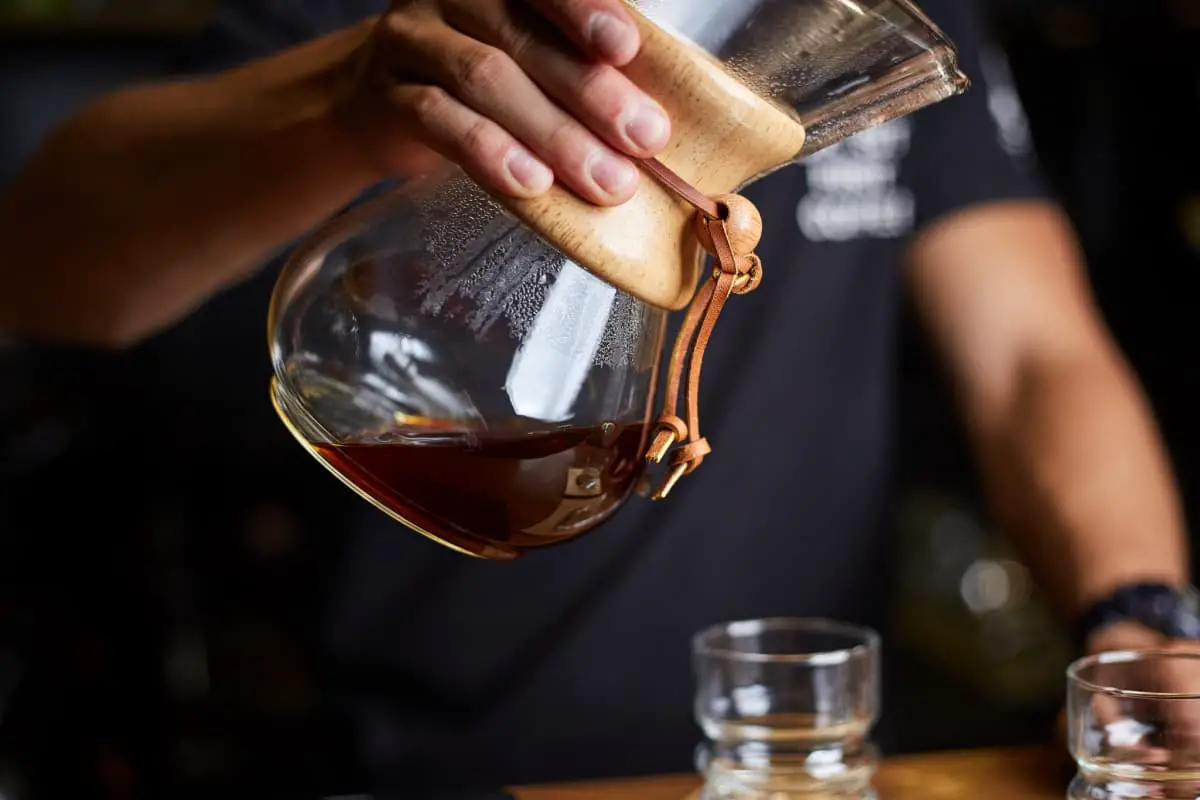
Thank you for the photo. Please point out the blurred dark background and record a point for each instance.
(1111, 89)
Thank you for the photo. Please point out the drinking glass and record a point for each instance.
(787, 706)
(1134, 725)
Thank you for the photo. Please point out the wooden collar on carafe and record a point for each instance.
(728, 227)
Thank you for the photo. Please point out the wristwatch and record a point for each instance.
(1169, 610)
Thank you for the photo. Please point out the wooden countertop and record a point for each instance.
(1013, 774)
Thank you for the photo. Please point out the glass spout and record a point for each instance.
(841, 66)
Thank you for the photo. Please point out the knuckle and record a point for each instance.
(480, 142)
(569, 143)
(483, 69)
(598, 89)
(518, 40)
(429, 105)
(395, 27)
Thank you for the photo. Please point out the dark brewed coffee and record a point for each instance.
(498, 495)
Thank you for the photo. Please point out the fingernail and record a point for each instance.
(612, 174)
(526, 170)
(612, 37)
(648, 128)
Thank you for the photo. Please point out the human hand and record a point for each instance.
(518, 93)
(149, 200)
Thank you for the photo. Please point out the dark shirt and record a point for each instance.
(571, 662)
(576, 661)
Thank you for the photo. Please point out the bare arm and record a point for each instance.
(149, 200)
(1074, 467)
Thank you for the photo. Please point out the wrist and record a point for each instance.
(1126, 635)
(297, 100)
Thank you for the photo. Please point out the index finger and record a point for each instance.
(603, 28)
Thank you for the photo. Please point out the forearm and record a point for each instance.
(1078, 479)
(151, 197)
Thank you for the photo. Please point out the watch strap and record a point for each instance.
(1169, 610)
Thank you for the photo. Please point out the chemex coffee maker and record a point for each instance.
(484, 369)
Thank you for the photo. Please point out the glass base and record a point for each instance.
(724, 789)
(1105, 785)
(759, 772)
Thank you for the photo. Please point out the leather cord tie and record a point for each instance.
(728, 227)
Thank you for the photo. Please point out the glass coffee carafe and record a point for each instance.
(484, 369)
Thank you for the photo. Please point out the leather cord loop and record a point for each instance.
(734, 273)
(670, 429)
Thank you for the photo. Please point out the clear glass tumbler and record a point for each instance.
(787, 706)
(1134, 725)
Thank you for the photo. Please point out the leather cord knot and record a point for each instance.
(747, 280)
(729, 228)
